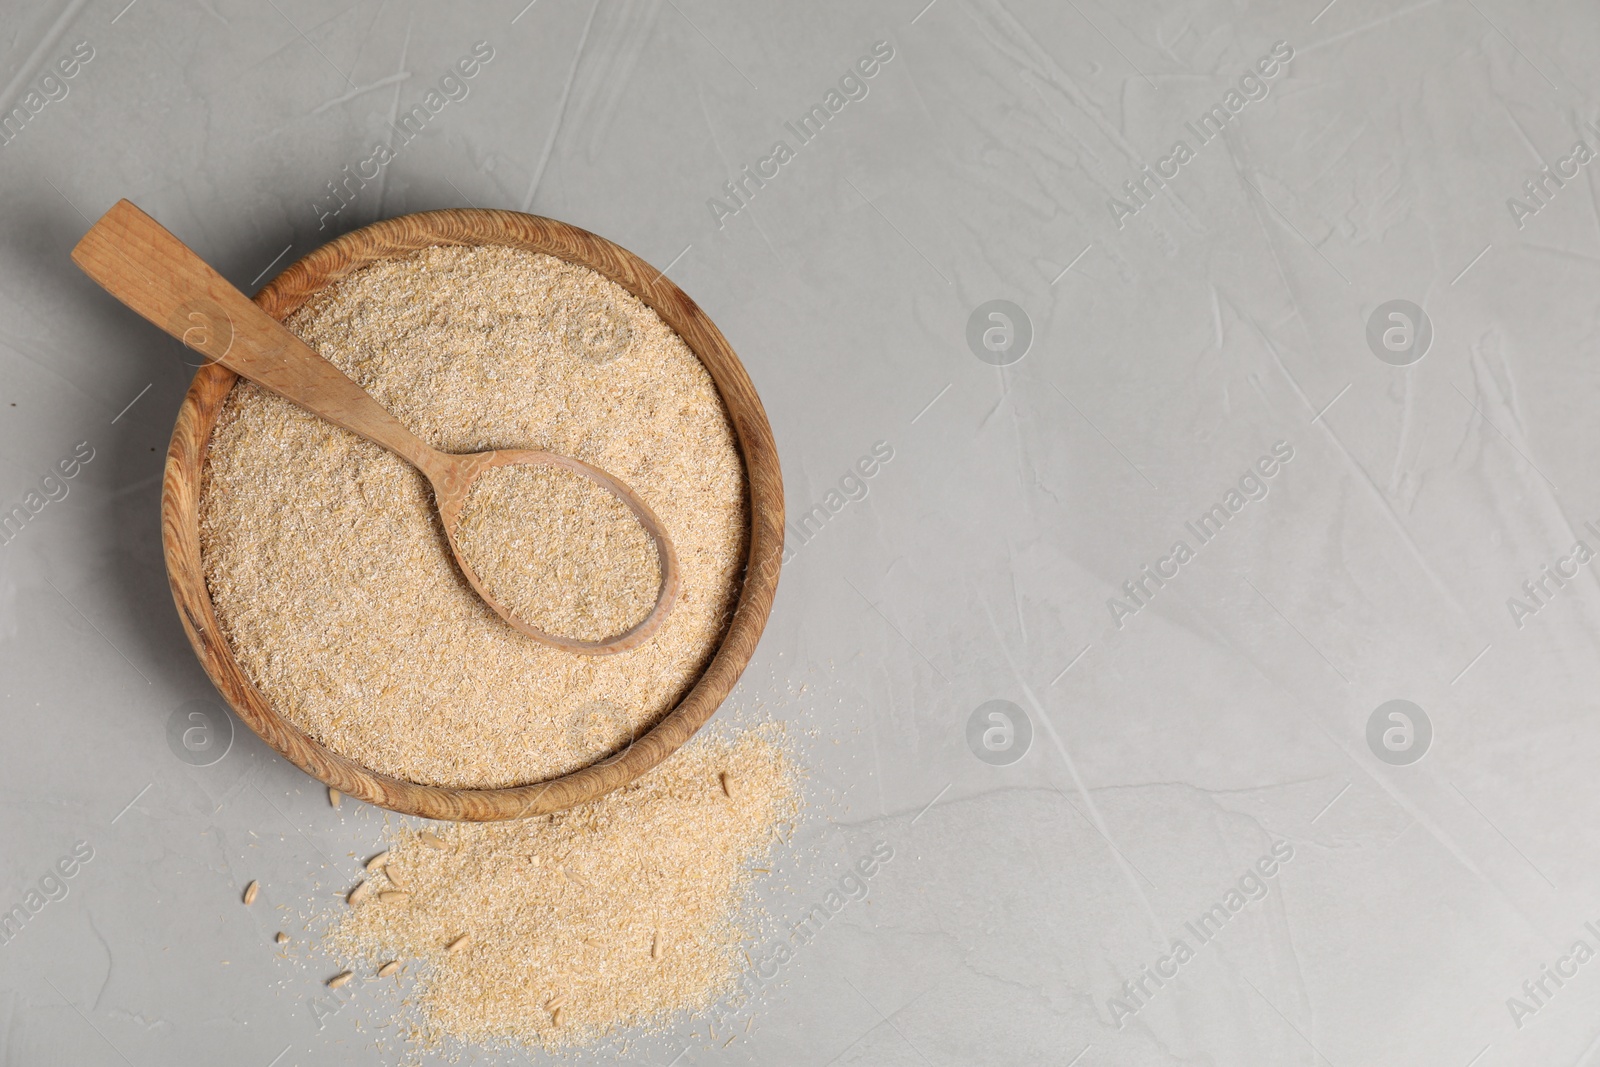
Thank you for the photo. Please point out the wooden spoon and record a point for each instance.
(141, 264)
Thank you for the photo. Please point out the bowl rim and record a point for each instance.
(400, 235)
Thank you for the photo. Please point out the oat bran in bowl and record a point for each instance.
(340, 631)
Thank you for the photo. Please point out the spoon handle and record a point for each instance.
(136, 260)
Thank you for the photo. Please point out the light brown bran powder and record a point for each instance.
(331, 577)
(559, 551)
(620, 913)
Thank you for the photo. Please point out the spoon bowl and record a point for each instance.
(140, 263)
(452, 484)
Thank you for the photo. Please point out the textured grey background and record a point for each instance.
(1169, 352)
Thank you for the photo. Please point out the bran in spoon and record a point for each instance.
(559, 551)
(332, 579)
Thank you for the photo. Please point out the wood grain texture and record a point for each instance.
(289, 291)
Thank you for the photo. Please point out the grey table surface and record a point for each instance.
(1304, 288)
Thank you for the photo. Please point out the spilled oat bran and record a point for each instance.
(624, 912)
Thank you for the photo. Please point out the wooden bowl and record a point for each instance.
(186, 456)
